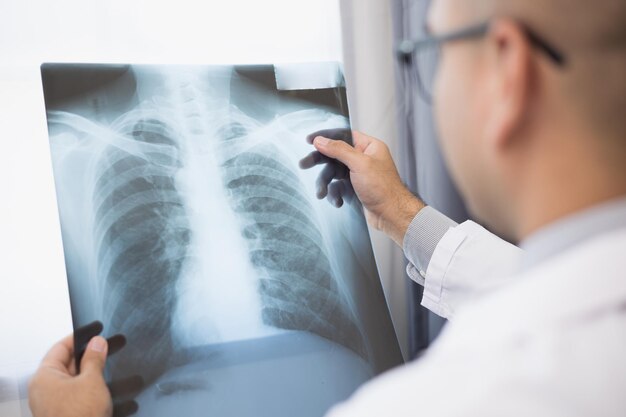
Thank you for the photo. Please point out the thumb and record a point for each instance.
(339, 150)
(95, 356)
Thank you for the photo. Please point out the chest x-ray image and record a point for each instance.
(189, 228)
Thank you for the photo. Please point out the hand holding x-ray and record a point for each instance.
(70, 380)
(365, 167)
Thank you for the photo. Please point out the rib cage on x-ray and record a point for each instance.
(142, 235)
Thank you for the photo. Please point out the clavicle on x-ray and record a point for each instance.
(189, 228)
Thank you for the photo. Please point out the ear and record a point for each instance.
(510, 61)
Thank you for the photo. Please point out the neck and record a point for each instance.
(568, 183)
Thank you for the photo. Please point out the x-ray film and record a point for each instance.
(189, 228)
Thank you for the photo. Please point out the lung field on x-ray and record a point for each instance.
(141, 239)
(297, 285)
(191, 197)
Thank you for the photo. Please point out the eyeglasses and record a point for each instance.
(424, 53)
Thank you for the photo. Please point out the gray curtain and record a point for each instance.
(421, 164)
(370, 78)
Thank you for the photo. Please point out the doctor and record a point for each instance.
(530, 101)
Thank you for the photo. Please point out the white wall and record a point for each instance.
(181, 31)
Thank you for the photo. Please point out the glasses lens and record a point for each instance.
(426, 61)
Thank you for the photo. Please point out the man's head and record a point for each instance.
(514, 125)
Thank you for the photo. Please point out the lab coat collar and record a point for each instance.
(572, 230)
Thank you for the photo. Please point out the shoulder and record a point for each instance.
(550, 344)
(571, 371)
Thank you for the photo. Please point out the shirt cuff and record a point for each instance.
(422, 237)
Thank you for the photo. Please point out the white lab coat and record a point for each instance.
(550, 341)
